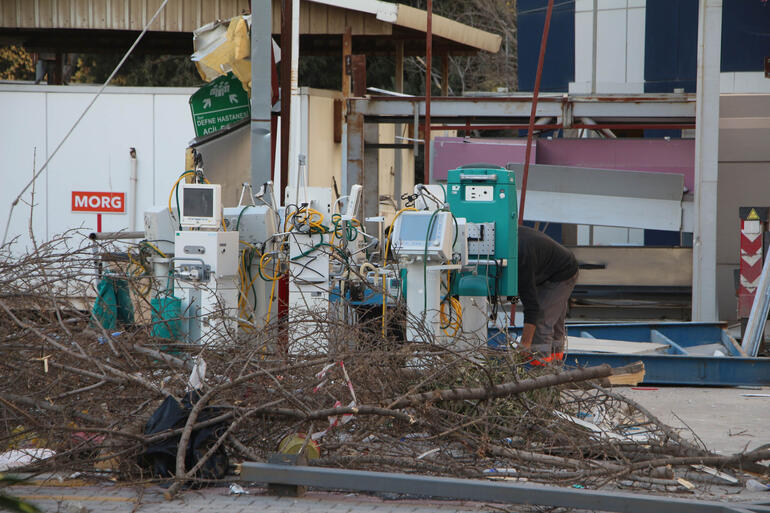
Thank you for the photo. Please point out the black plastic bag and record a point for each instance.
(160, 457)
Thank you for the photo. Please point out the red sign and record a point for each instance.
(99, 202)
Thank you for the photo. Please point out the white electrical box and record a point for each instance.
(479, 192)
(319, 198)
(254, 223)
(217, 250)
(411, 237)
(159, 227)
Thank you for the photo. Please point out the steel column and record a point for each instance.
(704, 262)
(478, 490)
(371, 176)
(261, 91)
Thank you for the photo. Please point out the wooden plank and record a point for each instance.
(318, 19)
(599, 345)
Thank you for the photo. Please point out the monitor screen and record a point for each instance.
(198, 202)
(414, 227)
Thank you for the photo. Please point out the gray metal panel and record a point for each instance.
(635, 266)
(603, 182)
(477, 490)
(641, 107)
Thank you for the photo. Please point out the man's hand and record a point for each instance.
(527, 334)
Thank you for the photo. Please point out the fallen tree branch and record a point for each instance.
(505, 389)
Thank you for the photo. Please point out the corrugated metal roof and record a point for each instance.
(317, 17)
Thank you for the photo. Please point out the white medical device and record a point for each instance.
(410, 234)
(201, 205)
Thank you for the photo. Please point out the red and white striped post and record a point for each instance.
(753, 229)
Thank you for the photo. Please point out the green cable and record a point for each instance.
(425, 261)
(238, 223)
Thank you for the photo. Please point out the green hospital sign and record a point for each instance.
(219, 103)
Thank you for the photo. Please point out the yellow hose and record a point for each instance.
(385, 262)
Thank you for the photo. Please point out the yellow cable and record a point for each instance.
(173, 187)
(153, 246)
(454, 303)
(385, 262)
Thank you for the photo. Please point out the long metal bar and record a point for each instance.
(557, 126)
(428, 83)
(115, 235)
(634, 109)
(286, 43)
(755, 327)
(533, 112)
(704, 259)
(478, 490)
(261, 92)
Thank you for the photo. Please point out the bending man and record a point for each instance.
(547, 274)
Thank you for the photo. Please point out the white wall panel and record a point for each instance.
(22, 131)
(155, 121)
(620, 41)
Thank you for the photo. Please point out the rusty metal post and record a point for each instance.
(428, 58)
(355, 151)
(533, 112)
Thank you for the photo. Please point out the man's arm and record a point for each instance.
(528, 296)
(526, 335)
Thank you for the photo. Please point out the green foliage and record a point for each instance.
(139, 70)
(10, 503)
(16, 63)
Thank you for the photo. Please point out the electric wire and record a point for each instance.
(80, 118)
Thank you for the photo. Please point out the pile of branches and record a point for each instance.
(358, 398)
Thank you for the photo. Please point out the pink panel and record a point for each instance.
(452, 152)
(657, 155)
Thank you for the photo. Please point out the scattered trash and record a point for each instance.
(714, 472)
(198, 375)
(21, 457)
(428, 453)
(684, 482)
(236, 489)
(69, 507)
(755, 395)
(756, 486)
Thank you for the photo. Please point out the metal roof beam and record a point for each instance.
(641, 108)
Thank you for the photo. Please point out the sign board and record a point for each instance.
(99, 202)
(219, 103)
